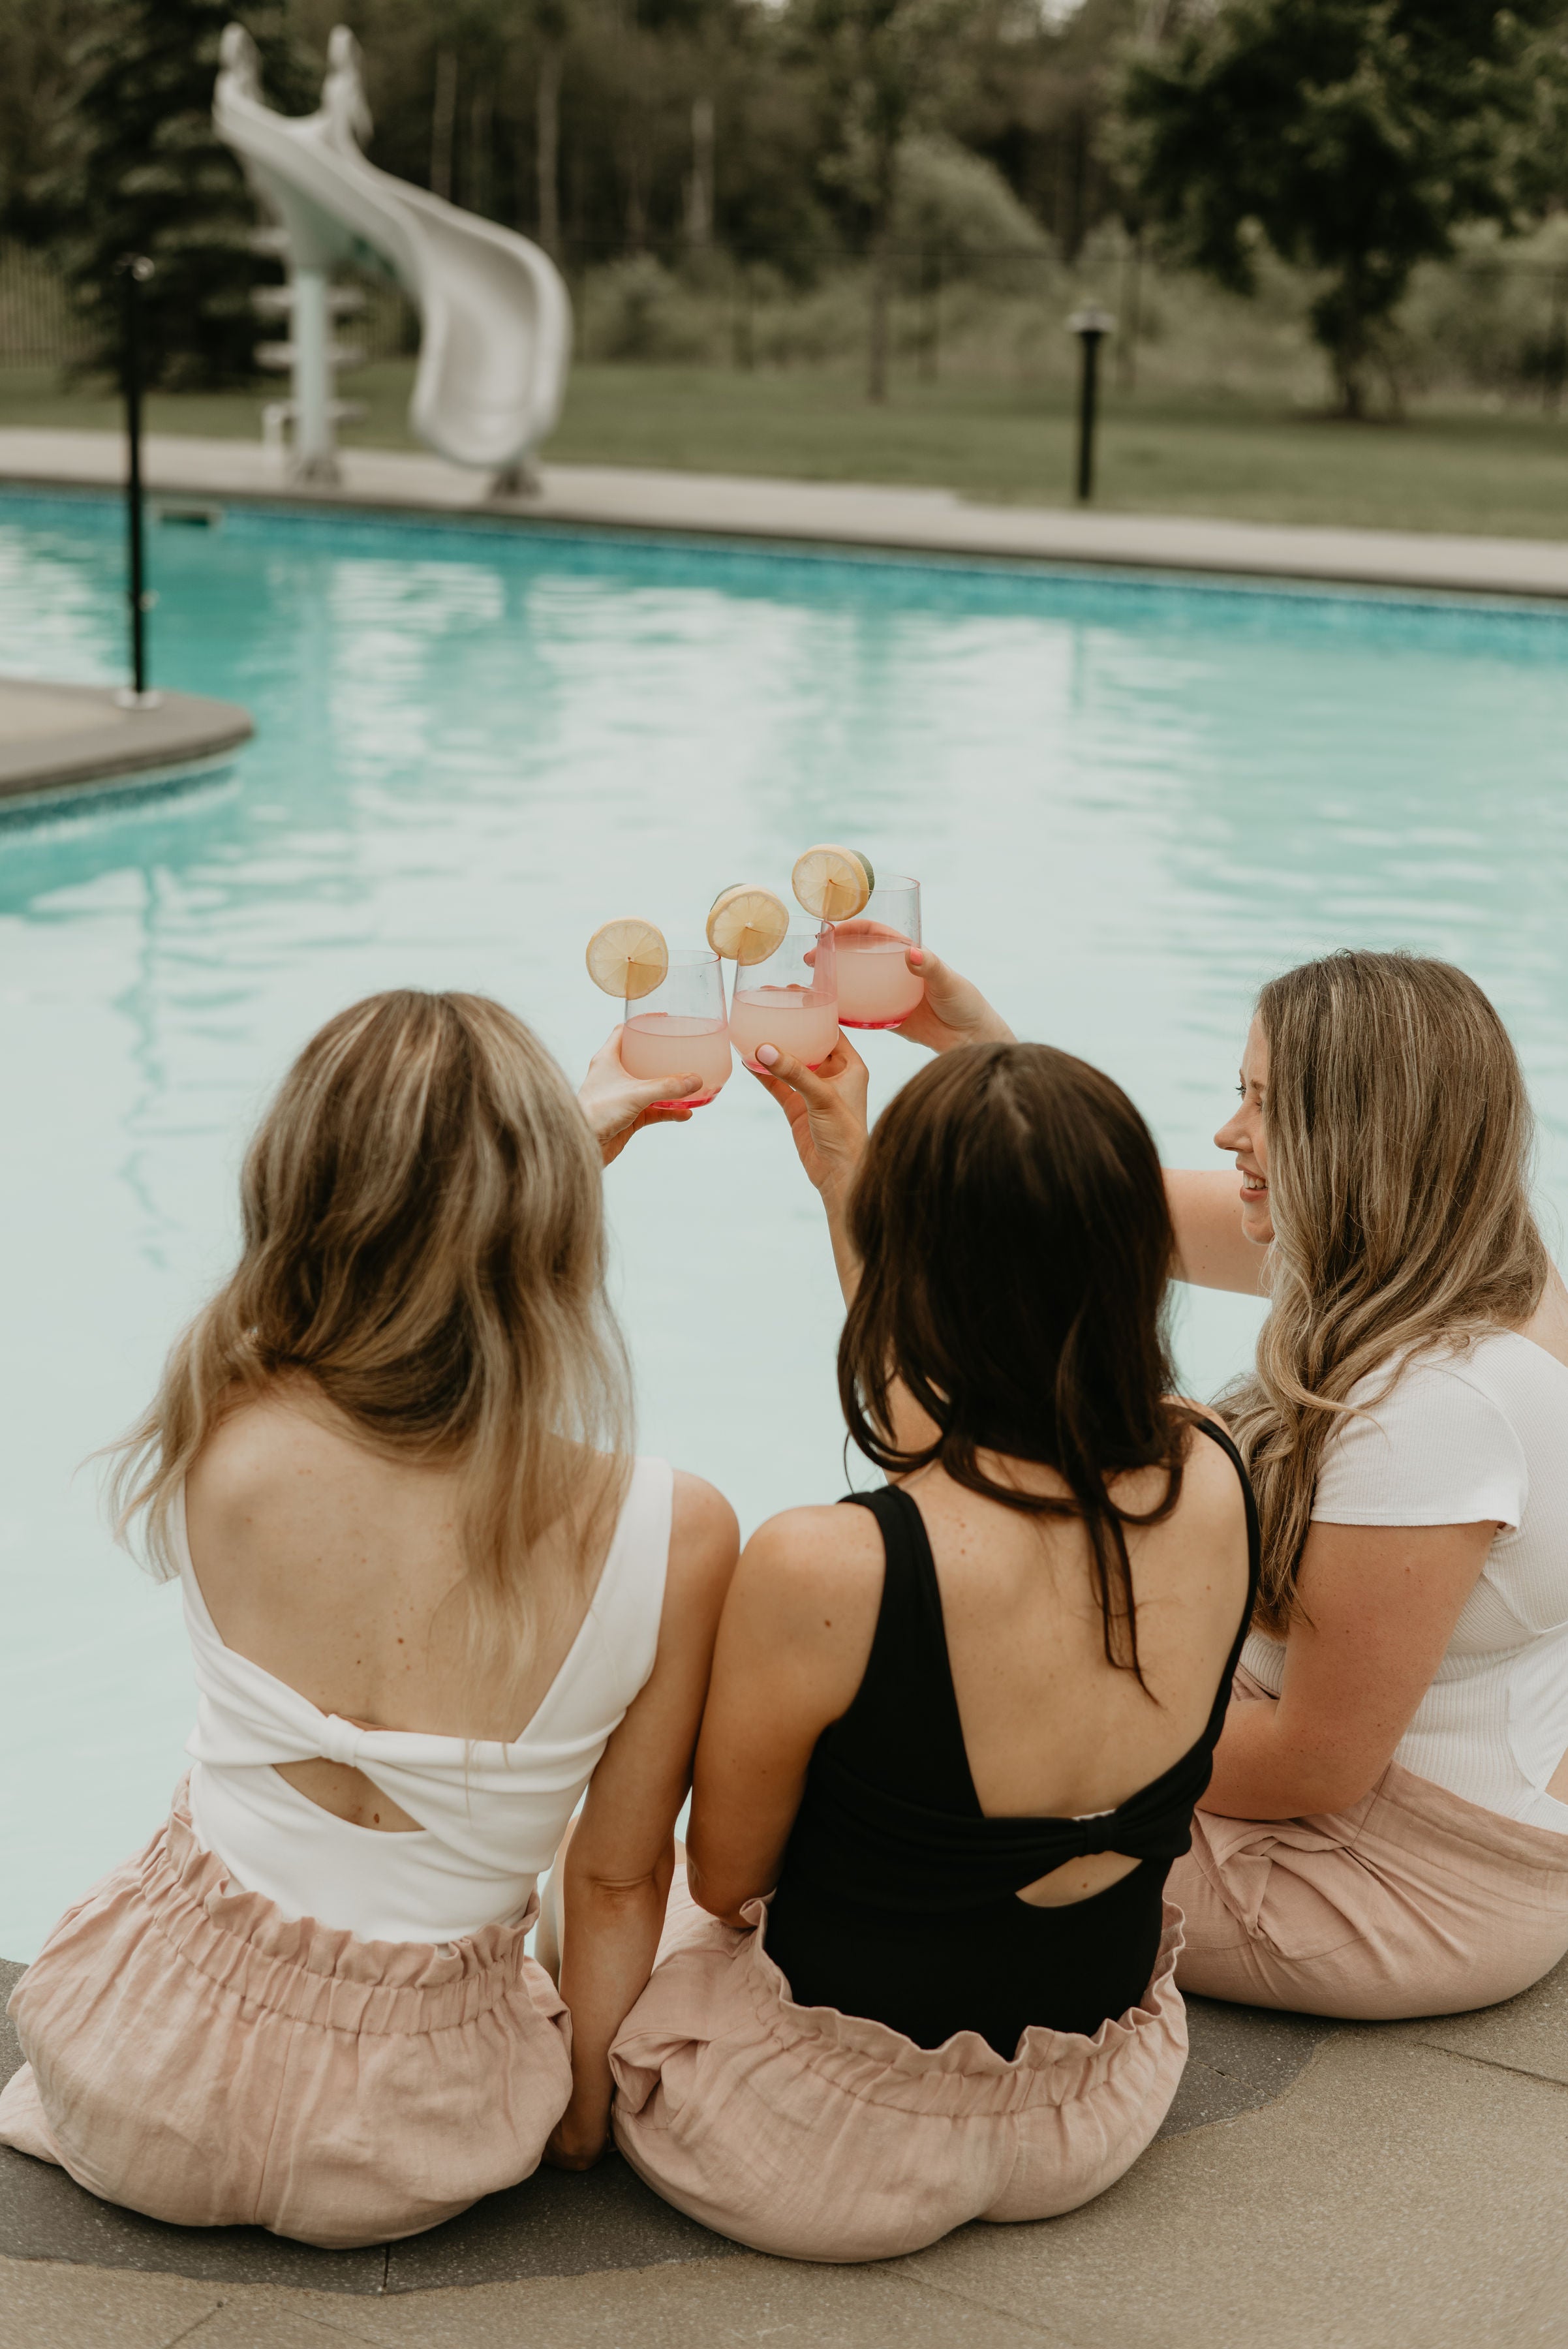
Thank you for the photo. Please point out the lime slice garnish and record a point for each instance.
(832, 883)
(628, 958)
(747, 923)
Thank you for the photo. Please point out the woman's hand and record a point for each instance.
(617, 1106)
(953, 1009)
(825, 1107)
(574, 2144)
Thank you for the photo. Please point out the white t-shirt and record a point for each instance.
(1465, 1435)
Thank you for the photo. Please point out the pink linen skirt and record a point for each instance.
(1413, 1902)
(194, 2054)
(821, 2136)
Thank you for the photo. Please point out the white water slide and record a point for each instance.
(496, 320)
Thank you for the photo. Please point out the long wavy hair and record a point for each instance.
(1399, 1144)
(1015, 1246)
(422, 1260)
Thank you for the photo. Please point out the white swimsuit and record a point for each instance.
(490, 1815)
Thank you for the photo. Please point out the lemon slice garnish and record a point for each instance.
(628, 958)
(832, 883)
(747, 923)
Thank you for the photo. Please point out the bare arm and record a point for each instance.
(1383, 1601)
(792, 1651)
(825, 1107)
(619, 1863)
(1212, 1249)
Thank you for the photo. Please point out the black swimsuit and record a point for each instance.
(898, 1898)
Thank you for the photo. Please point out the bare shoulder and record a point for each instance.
(264, 1450)
(704, 1537)
(1210, 1525)
(1208, 1465)
(812, 1563)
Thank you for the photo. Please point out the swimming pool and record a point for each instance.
(1129, 800)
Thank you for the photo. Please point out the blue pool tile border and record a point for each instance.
(1070, 589)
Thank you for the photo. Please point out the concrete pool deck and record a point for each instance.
(907, 521)
(1316, 2185)
(57, 739)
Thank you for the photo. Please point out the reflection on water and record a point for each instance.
(1127, 802)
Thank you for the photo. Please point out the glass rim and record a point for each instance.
(689, 958)
(891, 881)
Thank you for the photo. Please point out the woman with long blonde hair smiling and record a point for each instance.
(431, 1597)
(1386, 1832)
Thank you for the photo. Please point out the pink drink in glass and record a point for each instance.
(680, 1029)
(791, 999)
(876, 988)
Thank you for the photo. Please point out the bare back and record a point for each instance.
(338, 1571)
(1051, 1728)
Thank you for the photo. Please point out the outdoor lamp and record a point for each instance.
(1090, 326)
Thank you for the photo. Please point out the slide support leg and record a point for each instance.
(315, 447)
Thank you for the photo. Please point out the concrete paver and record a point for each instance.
(1397, 2198)
(48, 2307)
(555, 2224)
(1239, 2058)
(927, 521)
(254, 2322)
(748, 2299)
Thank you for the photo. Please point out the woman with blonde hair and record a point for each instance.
(1386, 1832)
(431, 1598)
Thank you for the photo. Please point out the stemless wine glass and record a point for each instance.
(876, 988)
(679, 1030)
(791, 999)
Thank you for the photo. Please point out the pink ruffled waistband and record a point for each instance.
(316, 1973)
(965, 2075)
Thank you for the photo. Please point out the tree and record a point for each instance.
(37, 37)
(145, 172)
(1352, 135)
(880, 61)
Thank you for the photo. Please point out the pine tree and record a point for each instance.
(146, 172)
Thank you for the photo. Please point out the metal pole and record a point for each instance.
(135, 270)
(1091, 327)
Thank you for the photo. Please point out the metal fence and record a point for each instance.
(37, 325)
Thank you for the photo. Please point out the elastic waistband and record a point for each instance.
(317, 1973)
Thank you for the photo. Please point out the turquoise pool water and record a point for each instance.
(1128, 801)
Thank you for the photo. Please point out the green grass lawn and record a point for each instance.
(1224, 454)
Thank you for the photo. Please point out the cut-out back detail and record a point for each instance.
(489, 1816)
(898, 1898)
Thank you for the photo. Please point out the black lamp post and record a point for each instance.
(135, 269)
(1091, 327)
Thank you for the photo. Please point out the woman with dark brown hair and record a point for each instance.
(956, 1733)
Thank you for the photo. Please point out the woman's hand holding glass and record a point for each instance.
(953, 1010)
(617, 1106)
